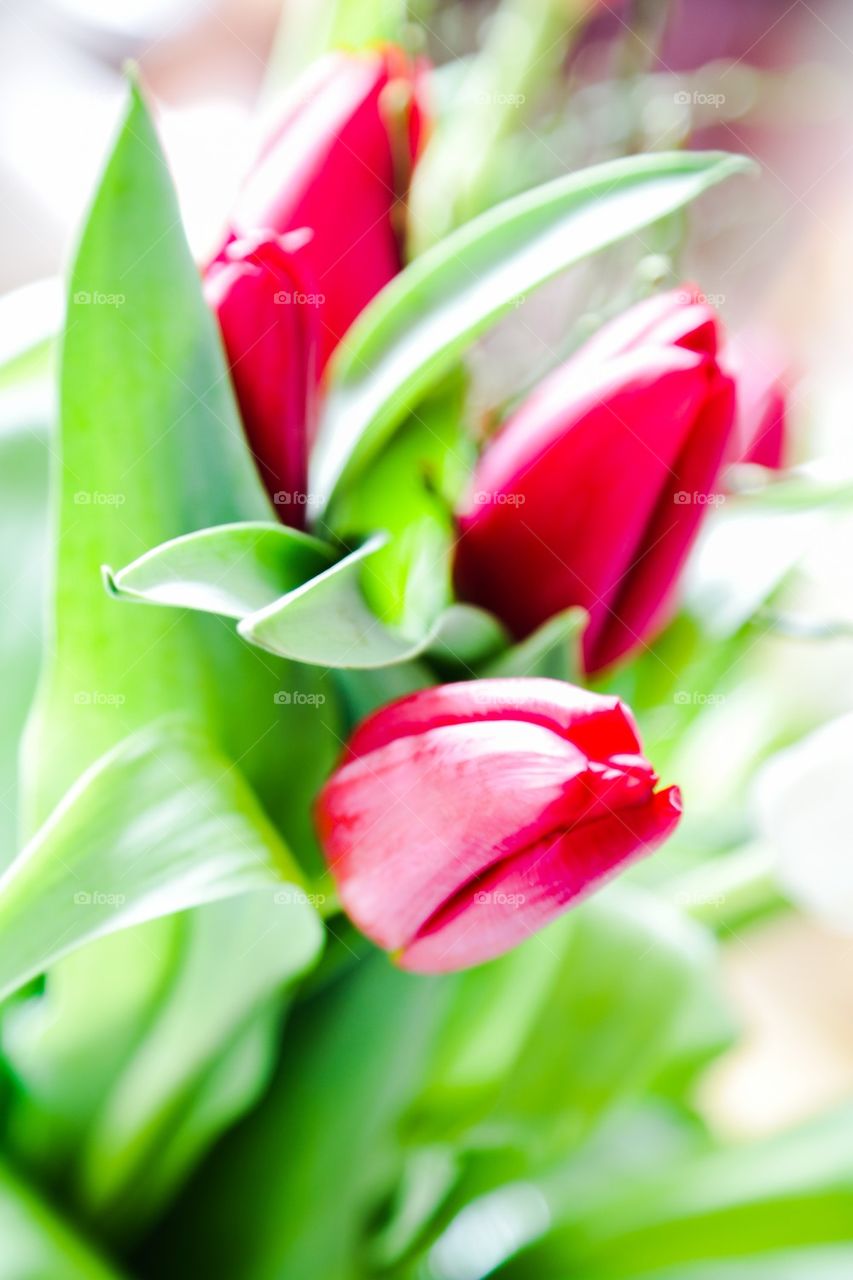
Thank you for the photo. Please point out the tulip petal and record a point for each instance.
(643, 597)
(263, 301)
(598, 725)
(404, 826)
(586, 460)
(680, 318)
(331, 165)
(527, 891)
(761, 374)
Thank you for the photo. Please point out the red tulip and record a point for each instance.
(339, 161)
(593, 492)
(762, 401)
(467, 816)
(266, 306)
(316, 220)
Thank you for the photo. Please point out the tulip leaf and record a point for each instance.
(329, 622)
(26, 411)
(37, 1243)
(419, 324)
(217, 994)
(150, 448)
(553, 650)
(410, 491)
(321, 1150)
(385, 603)
(544, 1040)
(232, 569)
(250, 572)
(163, 822)
(784, 1199)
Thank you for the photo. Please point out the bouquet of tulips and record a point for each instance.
(352, 616)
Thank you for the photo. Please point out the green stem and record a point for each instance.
(524, 48)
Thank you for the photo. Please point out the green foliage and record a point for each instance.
(417, 327)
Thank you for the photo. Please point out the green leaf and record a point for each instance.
(542, 1042)
(784, 1197)
(329, 622)
(242, 570)
(316, 1159)
(37, 1244)
(151, 448)
(384, 603)
(553, 650)
(410, 492)
(26, 412)
(419, 325)
(56, 1042)
(467, 161)
(162, 823)
(158, 1105)
(824, 1262)
(230, 570)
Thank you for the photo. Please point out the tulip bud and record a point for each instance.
(267, 313)
(339, 162)
(466, 817)
(593, 492)
(760, 372)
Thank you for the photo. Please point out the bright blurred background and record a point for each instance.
(761, 77)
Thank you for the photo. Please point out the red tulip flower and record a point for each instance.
(593, 492)
(762, 401)
(466, 817)
(267, 311)
(313, 237)
(339, 161)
